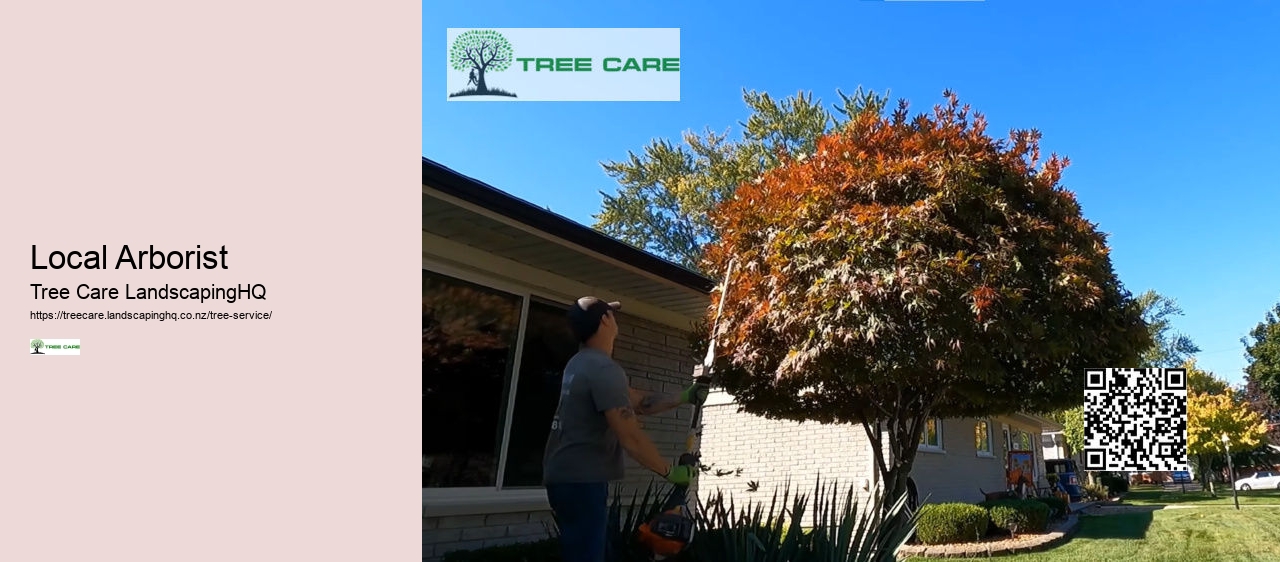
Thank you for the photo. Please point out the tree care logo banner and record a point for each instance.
(53, 347)
(563, 64)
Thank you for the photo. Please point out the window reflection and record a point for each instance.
(468, 346)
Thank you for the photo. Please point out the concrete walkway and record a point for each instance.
(1082, 505)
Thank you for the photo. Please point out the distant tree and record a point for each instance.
(1169, 348)
(666, 193)
(913, 267)
(1212, 410)
(1072, 420)
(1202, 381)
(1262, 351)
(1262, 403)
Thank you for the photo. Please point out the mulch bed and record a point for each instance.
(995, 546)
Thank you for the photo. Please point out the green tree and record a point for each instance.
(1203, 382)
(37, 345)
(1169, 348)
(666, 193)
(914, 267)
(1072, 420)
(1262, 403)
(1262, 351)
(480, 51)
(1212, 410)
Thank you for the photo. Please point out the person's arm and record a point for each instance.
(648, 403)
(624, 423)
(612, 397)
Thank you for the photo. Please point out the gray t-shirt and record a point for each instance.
(582, 447)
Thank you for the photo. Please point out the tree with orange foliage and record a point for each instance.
(915, 267)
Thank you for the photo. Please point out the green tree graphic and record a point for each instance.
(36, 345)
(478, 52)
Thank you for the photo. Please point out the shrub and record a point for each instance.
(951, 522)
(1037, 516)
(546, 550)
(1115, 484)
(1057, 506)
(1018, 516)
(1007, 518)
(1096, 491)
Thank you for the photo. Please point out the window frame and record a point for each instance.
(990, 451)
(927, 447)
(450, 499)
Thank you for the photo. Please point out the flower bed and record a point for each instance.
(1058, 532)
(1007, 525)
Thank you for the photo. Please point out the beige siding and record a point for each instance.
(957, 473)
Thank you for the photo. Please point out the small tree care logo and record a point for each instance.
(477, 52)
(54, 347)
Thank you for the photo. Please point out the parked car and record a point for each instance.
(1264, 480)
(1180, 476)
(1067, 476)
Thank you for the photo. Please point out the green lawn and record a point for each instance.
(1156, 496)
(1197, 528)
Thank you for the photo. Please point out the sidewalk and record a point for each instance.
(1082, 505)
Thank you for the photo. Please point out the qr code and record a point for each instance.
(1135, 420)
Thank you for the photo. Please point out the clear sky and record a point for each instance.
(1169, 111)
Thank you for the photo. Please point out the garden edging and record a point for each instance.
(1059, 533)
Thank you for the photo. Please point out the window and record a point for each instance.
(931, 437)
(474, 356)
(982, 438)
(548, 346)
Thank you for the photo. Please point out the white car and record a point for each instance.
(1261, 481)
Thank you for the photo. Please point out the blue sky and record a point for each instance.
(1169, 111)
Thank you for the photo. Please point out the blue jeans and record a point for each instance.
(581, 511)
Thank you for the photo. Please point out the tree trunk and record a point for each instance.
(1206, 476)
(895, 466)
(480, 86)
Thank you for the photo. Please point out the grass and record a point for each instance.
(1194, 526)
(1150, 495)
(474, 91)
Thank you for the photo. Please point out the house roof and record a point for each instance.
(480, 193)
(472, 225)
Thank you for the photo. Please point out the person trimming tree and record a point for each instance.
(594, 424)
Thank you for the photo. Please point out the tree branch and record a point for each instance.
(474, 64)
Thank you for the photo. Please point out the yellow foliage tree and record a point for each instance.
(1212, 410)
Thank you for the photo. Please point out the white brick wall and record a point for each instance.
(656, 358)
(441, 535)
(772, 451)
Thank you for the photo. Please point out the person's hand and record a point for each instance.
(682, 474)
(696, 394)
